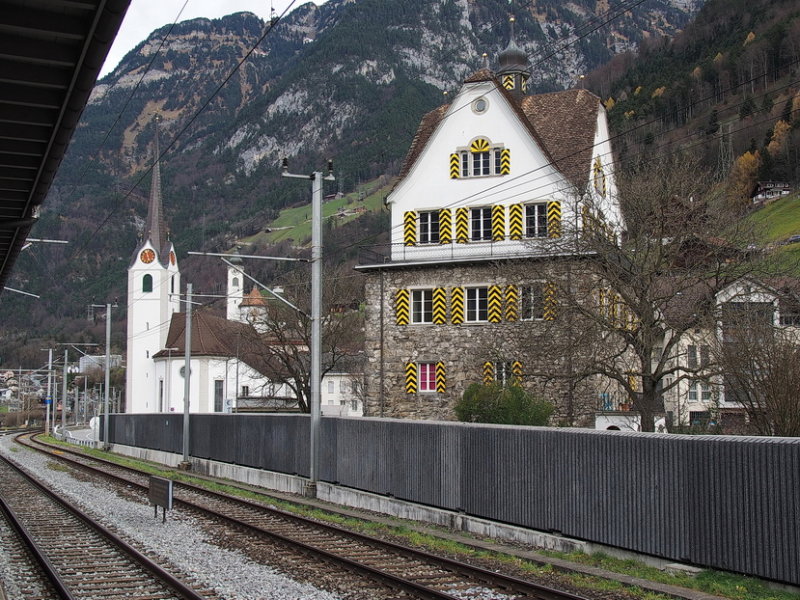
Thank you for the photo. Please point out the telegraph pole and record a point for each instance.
(316, 308)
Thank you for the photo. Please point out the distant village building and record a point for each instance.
(770, 190)
(88, 363)
(490, 183)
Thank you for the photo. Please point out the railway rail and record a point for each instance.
(67, 555)
(412, 572)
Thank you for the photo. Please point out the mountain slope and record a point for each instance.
(348, 80)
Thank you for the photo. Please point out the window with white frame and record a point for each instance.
(699, 391)
(536, 220)
(477, 304)
(697, 356)
(426, 374)
(331, 388)
(532, 302)
(422, 306)
(429, 227)
(481, 164)
(481, 223)
(503, 373)
(245, 390)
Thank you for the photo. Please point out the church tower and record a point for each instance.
(235, 290)
(154, 284)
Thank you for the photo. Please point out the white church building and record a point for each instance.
(226, 374)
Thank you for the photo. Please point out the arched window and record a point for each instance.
(235, 282)
(147, 283)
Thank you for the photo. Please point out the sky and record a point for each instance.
(144, 16)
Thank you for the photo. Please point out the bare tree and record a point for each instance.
(639, 296)
(281, 336)
(759, 356)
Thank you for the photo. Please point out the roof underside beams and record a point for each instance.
(50, 54)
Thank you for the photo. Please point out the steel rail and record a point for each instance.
(476, 573)
(166, 578)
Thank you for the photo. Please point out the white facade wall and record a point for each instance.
(428, 185)
(341, 395)
(234, 376)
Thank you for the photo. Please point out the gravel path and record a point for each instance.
(179, 541)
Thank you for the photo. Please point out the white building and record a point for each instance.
(154, 284)
(226, 369)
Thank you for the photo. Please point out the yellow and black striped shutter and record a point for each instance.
(462, 225)
(479, 145)
(441, 378)
(439, 306)
(515, 221)
(498, 223)
(505, 161)
(495, 304)
(457, 305)
(488, 372)
(455, 165)
(550, 302)
(512, 303)
(445, 226)
(508, 82)
(554, 219)
(410, 228)
(411, 378)
(401, 307)
(516, 371)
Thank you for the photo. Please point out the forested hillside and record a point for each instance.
(346, 80)
(727, 88)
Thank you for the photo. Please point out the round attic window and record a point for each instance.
(479, 105)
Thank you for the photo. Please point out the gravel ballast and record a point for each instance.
(179, 541)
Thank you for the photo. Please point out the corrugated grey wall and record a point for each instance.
(731, 503)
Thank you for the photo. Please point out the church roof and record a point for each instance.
(254, 298)
(562, 123)
(215, 336)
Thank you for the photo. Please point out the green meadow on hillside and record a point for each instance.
(294, 224)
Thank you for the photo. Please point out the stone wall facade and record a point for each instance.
(464, 348)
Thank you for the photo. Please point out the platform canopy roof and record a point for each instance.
(51, 52)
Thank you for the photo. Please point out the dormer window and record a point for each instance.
(481, 159)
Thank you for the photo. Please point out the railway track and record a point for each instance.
(60, 553)
(412, 572)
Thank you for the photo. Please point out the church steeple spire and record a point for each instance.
(156, 229)
(514, 73)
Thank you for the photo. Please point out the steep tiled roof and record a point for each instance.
(480, 75)
(566, 122)
(254, 298)
(426, 127)
(562, 123)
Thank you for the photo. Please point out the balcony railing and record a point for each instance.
(400, 253)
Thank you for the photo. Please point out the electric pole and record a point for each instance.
(316, 309)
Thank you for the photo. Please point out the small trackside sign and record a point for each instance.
(160, 494)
